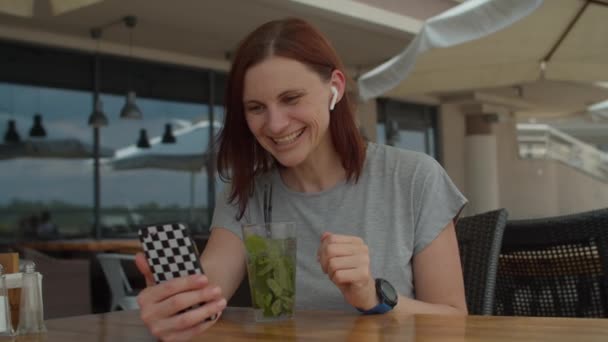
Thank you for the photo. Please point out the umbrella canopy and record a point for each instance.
(494, 43)
(60, 148)
(188, 153)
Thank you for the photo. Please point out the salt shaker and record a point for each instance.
(6, 325)
(31, 317)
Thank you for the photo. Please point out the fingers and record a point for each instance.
(328, 239)
(338, 238)
(181, 323)
(345, 263)
(327, 251)
(338, 249)
(184, 300)
(351, 276)
(187, 335)
(158, 293)
(162, 305)
(144, 268)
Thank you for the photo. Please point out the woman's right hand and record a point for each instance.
(159, 304)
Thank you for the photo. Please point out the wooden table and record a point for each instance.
(237, 324)
(130, 246)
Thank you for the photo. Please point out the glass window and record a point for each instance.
(412, 140)
(408, 126)
(160, 193)
(64, 187)
(381, 133)
(33, 188)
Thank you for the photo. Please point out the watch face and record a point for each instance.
(388, 291)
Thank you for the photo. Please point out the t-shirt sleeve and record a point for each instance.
(438, 201)
(225, 213)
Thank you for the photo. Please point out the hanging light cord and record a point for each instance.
(130, 22)
(96, 34)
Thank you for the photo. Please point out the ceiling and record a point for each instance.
(553, 98)
(209, 29)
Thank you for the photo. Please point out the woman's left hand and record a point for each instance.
(345, 260)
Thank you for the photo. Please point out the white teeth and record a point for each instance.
(288, 138)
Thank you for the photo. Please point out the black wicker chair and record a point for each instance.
(555, 267)
(479, 240)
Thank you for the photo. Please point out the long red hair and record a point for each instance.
(240, 157)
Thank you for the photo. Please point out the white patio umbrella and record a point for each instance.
(187, 154)
(599, 109)
(58, 148)
(493, 43)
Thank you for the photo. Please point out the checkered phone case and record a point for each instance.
(170, 251)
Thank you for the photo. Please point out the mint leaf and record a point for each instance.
(258, 299)
(276, 308)
(274, 286)
(265, 269)
(280, 274)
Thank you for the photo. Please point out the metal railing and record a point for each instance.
(541, 141)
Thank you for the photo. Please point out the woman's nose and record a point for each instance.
(277, 120)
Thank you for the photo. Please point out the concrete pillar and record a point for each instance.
(481, 164)
(452, 134)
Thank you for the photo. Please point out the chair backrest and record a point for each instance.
(111, 264)
(66, 284)
(479, 240)
(555, 267)
(10, 264)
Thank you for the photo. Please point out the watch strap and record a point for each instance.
(378, 309)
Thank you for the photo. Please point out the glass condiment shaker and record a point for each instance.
(31, 317)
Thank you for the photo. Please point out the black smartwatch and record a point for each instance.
(387, 296)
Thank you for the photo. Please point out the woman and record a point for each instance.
(363, 211)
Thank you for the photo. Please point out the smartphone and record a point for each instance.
(171, 253)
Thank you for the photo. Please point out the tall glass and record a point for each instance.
(271, 267)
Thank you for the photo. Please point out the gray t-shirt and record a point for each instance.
(400, 204)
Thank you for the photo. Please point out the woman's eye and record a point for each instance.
(254, 109)
(291, 99)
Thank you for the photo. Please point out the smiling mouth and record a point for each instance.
(288, 139)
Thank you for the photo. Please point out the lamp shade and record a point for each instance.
(143, 141)
(11, 135)
(130, 109)
(168, 137)
(98, 118)
(37, 130)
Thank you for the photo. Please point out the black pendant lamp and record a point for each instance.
(37, 130)
(11, 136)
(168, 137)
(143, 142)
(130, 110)
(98, 118)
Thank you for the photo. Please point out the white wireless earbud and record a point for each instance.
(334, 97)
